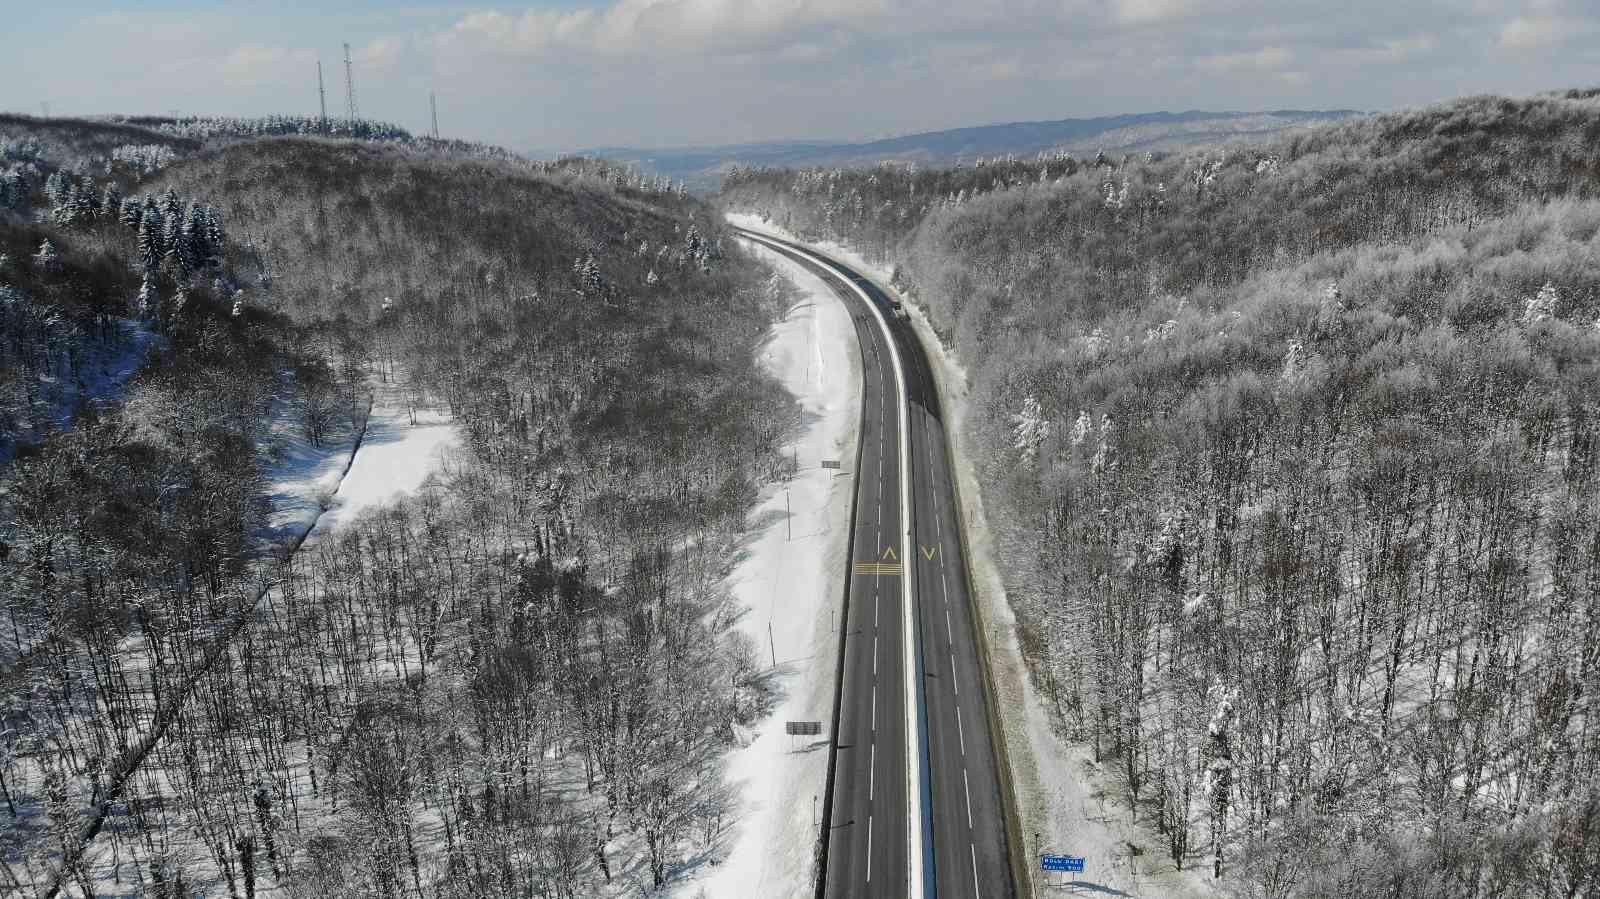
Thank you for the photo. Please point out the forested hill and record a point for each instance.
(519, 681)
(1291, 451)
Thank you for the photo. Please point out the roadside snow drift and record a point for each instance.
(791, 582)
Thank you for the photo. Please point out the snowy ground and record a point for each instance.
(1063, 797)
(324, 486)
(790, 579)
(395, 459)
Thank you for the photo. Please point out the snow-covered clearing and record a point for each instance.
(1063, 797)
(790, 578)
(324, 486)
(395, 458)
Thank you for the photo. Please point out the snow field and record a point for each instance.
(790, 579)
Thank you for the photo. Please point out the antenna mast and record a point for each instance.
(433, 106)
(322, 99)
(349, 86)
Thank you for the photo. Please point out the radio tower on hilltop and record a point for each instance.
(351, 111)
(433, 107)
(322, 99)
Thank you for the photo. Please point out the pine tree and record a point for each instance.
(88, 200)
(132, 214)
(65, 212)
(216, 238)
(54, 187)
(150, 246)
(171, 206)
(85, 205)
(589, 276)
(196, 234)
(177, 256)
(191, 243)
(111, 203)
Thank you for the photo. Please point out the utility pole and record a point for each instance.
(322, 100)
(349, 86)
(433, 107)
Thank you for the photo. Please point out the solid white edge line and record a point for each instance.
(914, 735)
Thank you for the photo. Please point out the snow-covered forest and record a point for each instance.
(517, 681)
(1290, 452)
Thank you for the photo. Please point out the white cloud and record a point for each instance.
(1265, 59)
(661, 26)
(254, 64)
(1144, 11)
(1528, 33)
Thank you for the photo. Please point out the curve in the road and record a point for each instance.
(955, 840)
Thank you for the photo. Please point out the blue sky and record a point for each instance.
(563, 75)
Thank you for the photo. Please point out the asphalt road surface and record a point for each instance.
(963, 846)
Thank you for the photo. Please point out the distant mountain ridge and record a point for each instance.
(703, 167)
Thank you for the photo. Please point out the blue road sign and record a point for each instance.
(1072, 864)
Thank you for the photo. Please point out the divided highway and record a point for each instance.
(915, 808)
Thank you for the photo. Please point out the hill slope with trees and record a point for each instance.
(1291, 455)
(519, 681)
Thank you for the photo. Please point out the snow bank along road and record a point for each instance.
(923, 816)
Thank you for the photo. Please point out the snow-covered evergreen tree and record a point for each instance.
(47, 260)
(132, 214)
(67, 208)
(111, 203)
(216, 238)
(151, 248)
(177, 255)
(55, 187)
(1030, 428)
(171, 205)
(589, 276)
(193, 238)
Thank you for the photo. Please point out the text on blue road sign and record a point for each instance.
(1069, 863)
